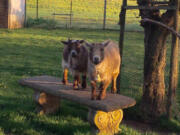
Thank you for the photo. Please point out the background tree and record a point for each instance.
(153, 101)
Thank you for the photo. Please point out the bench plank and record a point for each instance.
(54, 86)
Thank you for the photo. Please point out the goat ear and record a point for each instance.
(105, 44)
(79, 45)
(65, 42)
(89, 45)
(81, 41)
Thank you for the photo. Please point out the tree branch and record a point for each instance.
(162, 25)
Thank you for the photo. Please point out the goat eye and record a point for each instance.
(69, 49)
(102, 49)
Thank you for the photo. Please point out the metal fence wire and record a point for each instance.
(98, 14)
(93, 14)
(90, 14)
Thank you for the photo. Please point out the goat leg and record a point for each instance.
(84, 84)
(93, 87)
(102, 93)
(76, 82)
(65, 77)
(113, 87)
(101, 86)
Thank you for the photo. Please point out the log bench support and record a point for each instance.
(47, 103)
(105, 123)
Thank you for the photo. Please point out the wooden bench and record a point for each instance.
(104, 116)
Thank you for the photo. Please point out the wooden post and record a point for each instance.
(173, 79)
(70, 21)
(104, 21)
(37, 9)
(122, 21)
(25, 15)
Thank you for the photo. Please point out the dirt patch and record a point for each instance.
(143, 127)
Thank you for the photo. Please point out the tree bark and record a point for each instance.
(153, 99)
(154, 63)
(173, 79)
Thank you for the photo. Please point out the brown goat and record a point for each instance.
(103, 67)
(75, 57)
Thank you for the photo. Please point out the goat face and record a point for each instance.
(96, 52)
(73, 47)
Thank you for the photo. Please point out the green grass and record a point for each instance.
(86, 13)
(31, 52)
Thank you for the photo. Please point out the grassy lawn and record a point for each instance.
(31, 52)
(86, 13)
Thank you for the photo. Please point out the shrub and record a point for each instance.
(41, 23)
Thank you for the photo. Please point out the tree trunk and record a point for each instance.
(153, 100)
(154, 64)
(173, 79)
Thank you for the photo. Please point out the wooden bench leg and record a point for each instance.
(46, 103)
(105, 123)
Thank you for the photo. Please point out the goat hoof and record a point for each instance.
(93, 98)
(76, 87)
(101, 97)
(83, 86)
(113, 91)
(65, 82)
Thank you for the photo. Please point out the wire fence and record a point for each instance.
(98, 14)
(94, 14)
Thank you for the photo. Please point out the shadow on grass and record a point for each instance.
(17, 116)
(72, 109)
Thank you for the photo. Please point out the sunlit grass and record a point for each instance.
(86, 13)
(31, 52)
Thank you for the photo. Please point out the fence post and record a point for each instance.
(25, 15)
(37, 10)
(70, 15)
(104, 21)
(122, 21)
